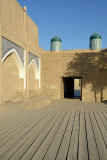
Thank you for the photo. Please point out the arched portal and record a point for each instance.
(12, 76)
(36, 69)
(33, 78)
(17, 59)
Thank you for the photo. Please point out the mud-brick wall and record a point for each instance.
(17, 26)
(91, 67)
(33, 82)
(12, 85)
(53, 67)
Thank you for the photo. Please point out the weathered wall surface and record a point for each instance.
(31, 33)
(53, 69)
(18, 32)
(33, 83)
(13, 86)
(86, 65)
(12, 18)
(17, 26)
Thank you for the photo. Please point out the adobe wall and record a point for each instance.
(18, 37)
(13, 86)
(17, 26)
(57, 65)
(33, 82)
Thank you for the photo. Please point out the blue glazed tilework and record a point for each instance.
(31, 57)
(8, 46)
(96, 44)
(56, 46)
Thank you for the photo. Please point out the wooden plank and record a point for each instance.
(21, 132)
(83, 151)
(13, 122)
(10, 133)
(63, 150)
(8, 115)
(105, 115)
(33, 132)
(50, 147)
(98, 138)
(104, 121)
(73, 145)
(4, 113)
(36, 141)
(28, 149)
(101, 127)
(93, 152)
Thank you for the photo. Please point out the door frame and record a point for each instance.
(62, 85)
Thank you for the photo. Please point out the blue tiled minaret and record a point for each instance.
(95, 41)
(56, 44)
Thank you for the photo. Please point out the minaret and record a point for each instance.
(95, 41)
(56, 44)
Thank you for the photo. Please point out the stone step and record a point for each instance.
(40, 102)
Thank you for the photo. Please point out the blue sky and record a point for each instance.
(74, 21)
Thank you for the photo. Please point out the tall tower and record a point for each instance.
(56, 44)
(95, 41)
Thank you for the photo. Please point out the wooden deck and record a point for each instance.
(75, 131)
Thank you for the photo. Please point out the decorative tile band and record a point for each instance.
(8, 46)
(31, 57)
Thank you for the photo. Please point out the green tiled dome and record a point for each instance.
(56, 38)
(95, 36)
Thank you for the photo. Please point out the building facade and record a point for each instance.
(26, 70)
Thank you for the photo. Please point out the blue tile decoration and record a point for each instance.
(31, 57)
(8, 46)
(56, 44)
(95, 41)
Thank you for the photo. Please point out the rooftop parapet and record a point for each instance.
(71, 51)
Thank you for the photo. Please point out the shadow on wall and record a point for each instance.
(105, 102)
(92, 67)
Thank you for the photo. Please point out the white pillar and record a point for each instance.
(0, 66)
(39, 72)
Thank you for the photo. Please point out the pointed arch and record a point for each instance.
(18, 61)
(36, 69)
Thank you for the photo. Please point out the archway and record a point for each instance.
(33, 78)
(12, 76)
(17, 59)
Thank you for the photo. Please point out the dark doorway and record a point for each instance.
(68, 87)
(72, 87)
